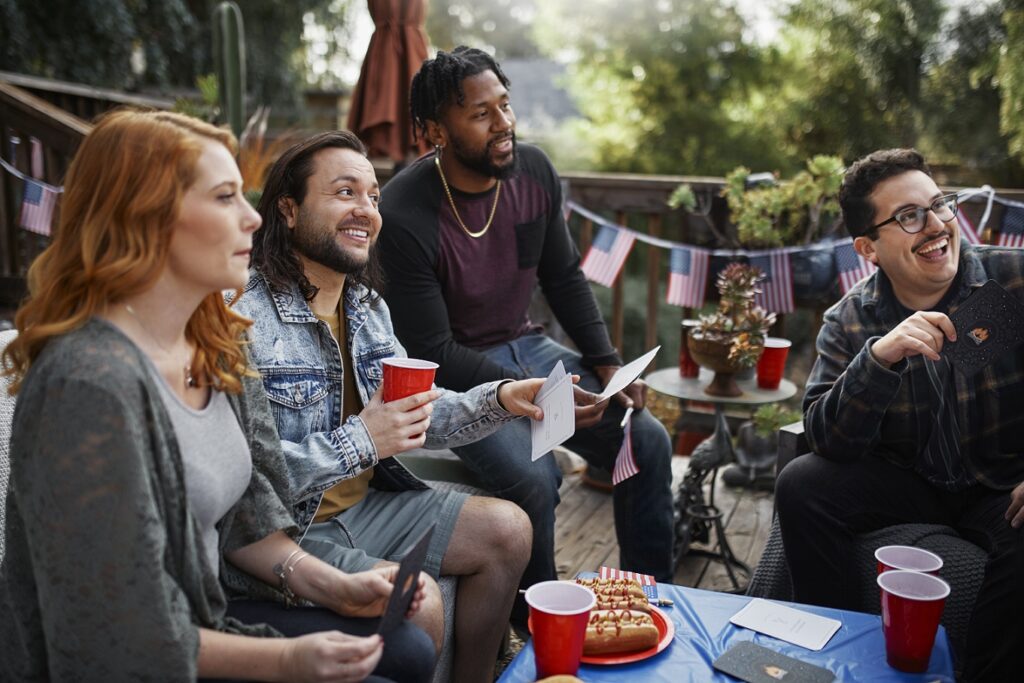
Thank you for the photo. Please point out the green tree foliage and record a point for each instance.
(498, 26)
(671, 86)
(855, 73)
(962, 101)
(1010, 72)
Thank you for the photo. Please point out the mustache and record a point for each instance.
(501, 138)
(362, 224)
(945, 233)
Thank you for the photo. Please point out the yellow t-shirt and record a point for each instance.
(347, 493)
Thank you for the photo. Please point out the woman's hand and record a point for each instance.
(398, 426)
(330, 656)
(366, 594)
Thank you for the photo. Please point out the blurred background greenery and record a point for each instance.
(692, 87)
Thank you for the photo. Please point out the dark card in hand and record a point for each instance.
(405, 584)
(989, 323)
(749, 662)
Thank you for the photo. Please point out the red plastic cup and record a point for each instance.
(559, 612)
(407, 376)
(912, 604)
(772, 362)
(907, 557)
(687, 365)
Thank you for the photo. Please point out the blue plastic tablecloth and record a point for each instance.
(703, 632)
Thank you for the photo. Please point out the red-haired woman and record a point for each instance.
(145, 467)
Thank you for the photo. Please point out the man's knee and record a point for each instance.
(799, 482)
(510, 533)
(652, 445)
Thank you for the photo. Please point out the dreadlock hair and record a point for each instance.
(272, 252)
(438, 83)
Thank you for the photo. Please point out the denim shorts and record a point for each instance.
(383, 526)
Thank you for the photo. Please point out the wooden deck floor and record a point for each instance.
(585, 530)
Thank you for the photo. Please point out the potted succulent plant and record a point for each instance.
(731, 338)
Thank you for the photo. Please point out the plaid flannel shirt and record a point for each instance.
(853, 406)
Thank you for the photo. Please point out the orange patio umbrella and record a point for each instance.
(380, 103)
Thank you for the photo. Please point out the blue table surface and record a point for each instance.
(703, 632)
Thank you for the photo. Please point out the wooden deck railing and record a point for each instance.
(638, 201)
(84, 101)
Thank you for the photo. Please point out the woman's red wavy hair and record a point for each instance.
(122, 195)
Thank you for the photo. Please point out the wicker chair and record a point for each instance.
(6, 415)
(444, 471)
(963, 562)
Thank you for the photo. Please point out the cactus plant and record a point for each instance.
(229, 62)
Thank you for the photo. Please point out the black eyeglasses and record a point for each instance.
(913, 220)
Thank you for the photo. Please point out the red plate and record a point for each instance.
(666, 630)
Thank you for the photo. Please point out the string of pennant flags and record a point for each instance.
(38, 199)
(689, 265)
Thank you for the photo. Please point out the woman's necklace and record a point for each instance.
(451, 200)
(190, 381)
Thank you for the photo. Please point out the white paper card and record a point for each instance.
(785, 623)
(628, 374)
(559, 423)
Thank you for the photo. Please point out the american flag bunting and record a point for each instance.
(646, 581)
(968, 232)
(625, 463)
(607, 255)
(37, 205)
(1011, 230)
(851, 266)
(777, 287)
(687, 277)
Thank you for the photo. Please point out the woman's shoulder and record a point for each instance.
(97, 354)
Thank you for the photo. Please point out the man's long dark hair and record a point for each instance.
(272, 252)
(439, 83)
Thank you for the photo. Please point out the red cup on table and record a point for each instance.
(687, 365)
(559, 612)
(772, 362)
(912, 604)
(407, 376)
(909, 558)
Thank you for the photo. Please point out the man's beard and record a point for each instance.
(480, 162)
(320, 244)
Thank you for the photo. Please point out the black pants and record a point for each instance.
(408, 657)
(823, 505)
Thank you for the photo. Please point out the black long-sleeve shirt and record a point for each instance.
(451, 294)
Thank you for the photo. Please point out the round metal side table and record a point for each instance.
(695, 518)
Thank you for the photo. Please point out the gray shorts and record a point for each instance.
(383, 526)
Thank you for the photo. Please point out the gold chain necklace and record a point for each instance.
(451, 200)
(190, 381)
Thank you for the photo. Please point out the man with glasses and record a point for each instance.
(898, 434)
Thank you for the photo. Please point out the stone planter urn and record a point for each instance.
(714, 355)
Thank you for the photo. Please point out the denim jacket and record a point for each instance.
(301, 366)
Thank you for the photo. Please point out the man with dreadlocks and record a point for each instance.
(469, 231)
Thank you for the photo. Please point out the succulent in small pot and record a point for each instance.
(732, 338)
